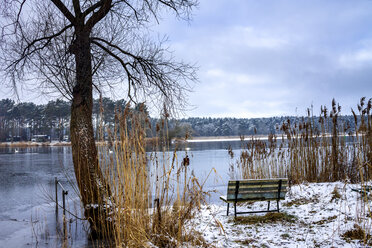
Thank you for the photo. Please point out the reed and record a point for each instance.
(153, 197)
(18, 144)
(313, 149)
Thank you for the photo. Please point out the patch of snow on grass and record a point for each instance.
(312, 215)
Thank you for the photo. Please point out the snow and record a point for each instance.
(319, 220)
(225, 138)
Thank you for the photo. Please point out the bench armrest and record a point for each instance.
(223, 198)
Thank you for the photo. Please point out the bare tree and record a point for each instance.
(76, 46)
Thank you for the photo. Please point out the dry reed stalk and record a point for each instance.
(153, 197)
(313, 149)
(20, 144)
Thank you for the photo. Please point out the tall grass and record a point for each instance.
(313, 149)
(153, 197)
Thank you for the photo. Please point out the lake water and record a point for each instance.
(27, 212)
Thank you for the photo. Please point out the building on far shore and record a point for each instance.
(40, 138)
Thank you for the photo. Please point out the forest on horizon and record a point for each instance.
(21, 121)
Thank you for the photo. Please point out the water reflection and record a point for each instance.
(27, 180)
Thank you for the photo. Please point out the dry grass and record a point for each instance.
(19, 144)
(61, 144)
(335, 194)
(153, 197)
(326, 220)
(317, 149)
(299, 202)
(313, 149)
(357, 233)
(267, 218)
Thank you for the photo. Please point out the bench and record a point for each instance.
(251, 190)
(365, 190)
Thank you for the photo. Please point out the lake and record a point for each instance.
(27, 212)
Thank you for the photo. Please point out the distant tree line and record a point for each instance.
(245, 126)
(22, 121)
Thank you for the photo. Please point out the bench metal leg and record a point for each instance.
(227, 211)
(235, 209)
(277, 205)
(268, 205)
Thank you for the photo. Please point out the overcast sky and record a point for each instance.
(261, 58)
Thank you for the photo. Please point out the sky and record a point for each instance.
(262, 58)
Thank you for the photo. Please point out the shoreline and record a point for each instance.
(225, 138)
(150, 140)
(21, 144)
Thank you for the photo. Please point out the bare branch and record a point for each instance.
(77, 9)
(99, 15)
(131, 79)
(150, 72)
(64, 10)
(92, 8)
(120, 51)
(115, 46)
(26, 51)
(19, 12)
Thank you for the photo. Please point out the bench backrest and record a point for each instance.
(257, 189)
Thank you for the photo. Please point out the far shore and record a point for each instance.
(32, 144)
(192, 140)
(226, 138)
(151, 140)
(245, 137)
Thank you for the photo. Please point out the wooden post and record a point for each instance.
(56, 189)
(279, 189)
(64, 193)
(236, 196)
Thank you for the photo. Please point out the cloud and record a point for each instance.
(274, 57)
(247, 36)
(357, 59)
(277, 57)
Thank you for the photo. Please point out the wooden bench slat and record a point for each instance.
(253, 196)
(232, 184)
(257, 187)
(251, 200)
(258, 180)
(255, 190)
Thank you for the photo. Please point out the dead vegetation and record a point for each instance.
(312, 149)
(315, 149)
(154, 196)
(19, 144)
(357, 233)
(326, 220)
(298, 202)
(335, 194)
(263, 219)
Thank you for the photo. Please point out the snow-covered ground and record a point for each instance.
(313, 216)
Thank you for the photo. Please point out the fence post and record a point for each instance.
(56, 188)
(64, 193)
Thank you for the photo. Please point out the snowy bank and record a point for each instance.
(312, 215)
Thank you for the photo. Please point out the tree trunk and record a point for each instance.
(92, 185)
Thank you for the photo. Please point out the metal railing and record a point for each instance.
(64, 193)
